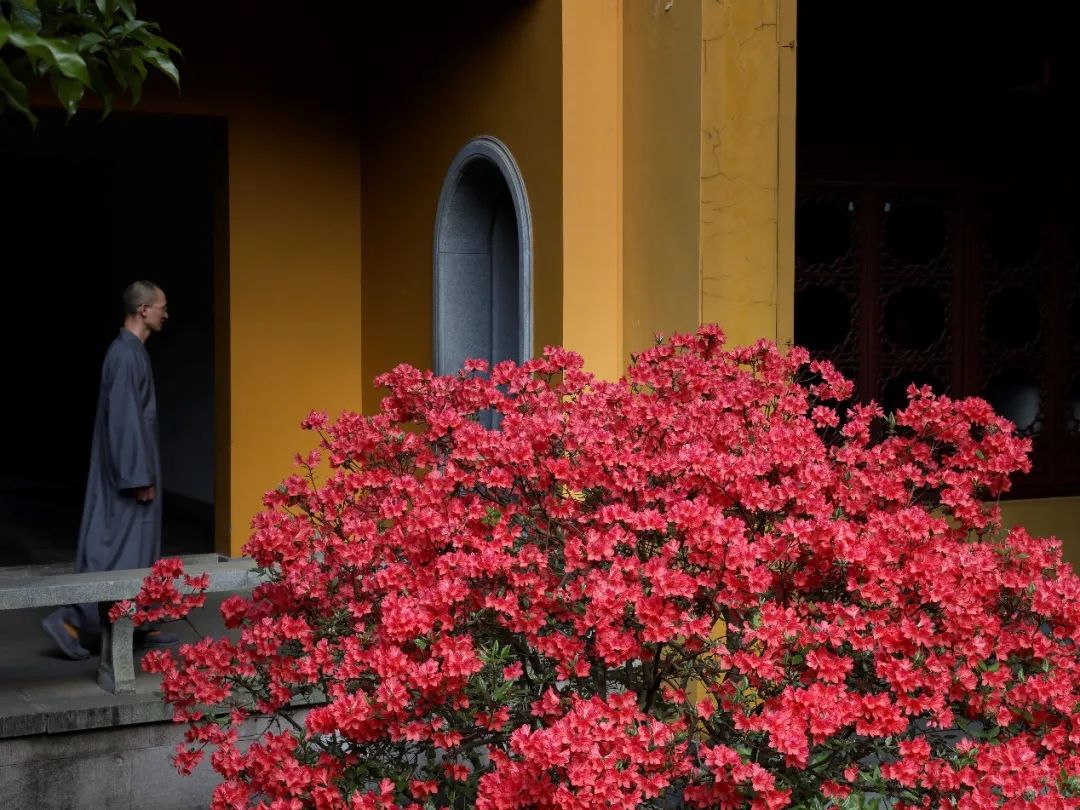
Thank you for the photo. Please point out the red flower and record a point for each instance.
(708, 583)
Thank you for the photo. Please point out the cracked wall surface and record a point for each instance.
(746, 203)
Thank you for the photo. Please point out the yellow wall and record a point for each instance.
(661, 116)
(499, 75)
(1046, 517)
(747, 168)
(294, 294)
(592, 183)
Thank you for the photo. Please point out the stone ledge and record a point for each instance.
(51, 569)
(117, 710)
(110, 586)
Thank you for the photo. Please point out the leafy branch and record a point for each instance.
(78, 46)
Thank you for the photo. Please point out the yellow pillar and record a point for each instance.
(661, 135)
(592, 183)
(747, 213)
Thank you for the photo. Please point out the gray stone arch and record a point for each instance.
(482, 260)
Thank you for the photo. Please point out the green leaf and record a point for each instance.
(147, 37)
(135, 78)
(127, 8)
(102, 88)
(128, 28)
(164, 64)
(55, 51)
(5, 29)
(15, 93)
(70, 92)
(118, 63)
(90, 41)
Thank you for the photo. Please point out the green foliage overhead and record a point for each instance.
(78, 46)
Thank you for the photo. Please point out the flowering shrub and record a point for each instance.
(705, 585)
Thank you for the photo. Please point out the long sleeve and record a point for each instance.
(128, 434)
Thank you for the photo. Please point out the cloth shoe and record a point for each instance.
(68, 644)
(154, 638)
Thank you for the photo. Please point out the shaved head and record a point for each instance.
(139, 294)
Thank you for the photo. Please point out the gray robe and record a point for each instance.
(118, 531)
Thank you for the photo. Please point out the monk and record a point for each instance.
(121, 519)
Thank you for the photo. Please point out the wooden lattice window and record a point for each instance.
(969, 288)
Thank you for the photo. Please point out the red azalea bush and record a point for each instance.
(705, 585)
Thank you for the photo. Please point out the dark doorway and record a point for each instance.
(86, 207)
